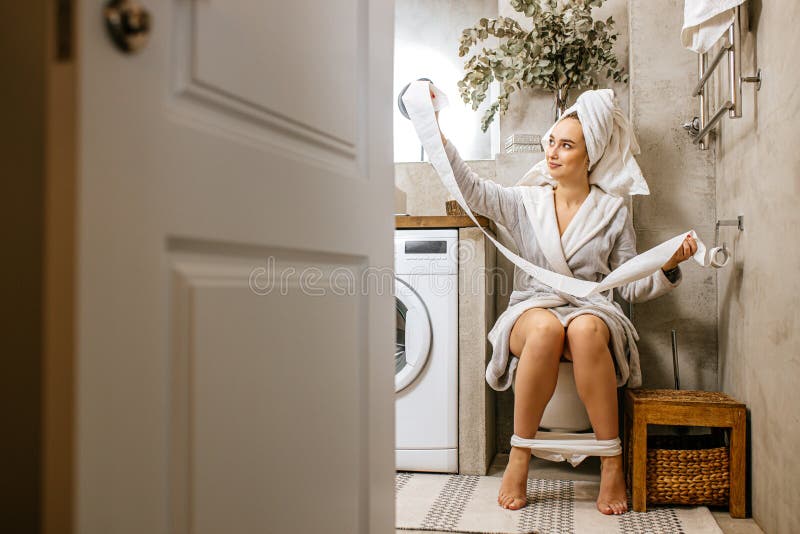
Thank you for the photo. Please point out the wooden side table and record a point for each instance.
(684, 408)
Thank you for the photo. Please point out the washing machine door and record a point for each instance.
(413, 335)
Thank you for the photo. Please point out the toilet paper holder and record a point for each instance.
(738, 222)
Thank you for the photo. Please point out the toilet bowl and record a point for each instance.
(565, 412)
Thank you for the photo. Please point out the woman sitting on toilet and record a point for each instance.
(567, 214)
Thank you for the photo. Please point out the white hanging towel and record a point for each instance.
(705, 21)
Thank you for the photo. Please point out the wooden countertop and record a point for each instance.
(437, 221)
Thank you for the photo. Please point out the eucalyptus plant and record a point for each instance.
(565, 49)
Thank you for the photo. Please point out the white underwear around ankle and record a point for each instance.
(574, 448)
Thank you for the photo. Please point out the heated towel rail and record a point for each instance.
(700, 126)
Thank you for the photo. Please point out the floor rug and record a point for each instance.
(467, 503)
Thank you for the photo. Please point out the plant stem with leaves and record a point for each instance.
(565, 49)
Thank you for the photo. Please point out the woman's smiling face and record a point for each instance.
(566, 150)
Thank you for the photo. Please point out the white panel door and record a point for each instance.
(233, 346)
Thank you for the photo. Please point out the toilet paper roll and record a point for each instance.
(712, 255)
(416, 100)
(441, 99)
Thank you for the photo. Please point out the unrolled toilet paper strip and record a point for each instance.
(574, 448)
(421, 110)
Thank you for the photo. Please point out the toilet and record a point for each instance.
(565, 412)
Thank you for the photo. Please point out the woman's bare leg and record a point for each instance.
(538, 340)
(595, 379)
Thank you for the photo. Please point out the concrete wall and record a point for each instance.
(682, 196)
(476, 401)
(758, 176)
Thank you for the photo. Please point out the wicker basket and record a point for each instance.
(690, 469)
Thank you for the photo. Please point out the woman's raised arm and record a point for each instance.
(483, 197)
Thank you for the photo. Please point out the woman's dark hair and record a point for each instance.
(572, 115)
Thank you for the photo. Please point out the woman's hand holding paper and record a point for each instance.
(686, 251)
(436, 113)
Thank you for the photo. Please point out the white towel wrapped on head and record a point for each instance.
(610, 142)
(705, 21)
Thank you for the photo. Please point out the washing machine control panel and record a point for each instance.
(426, 252)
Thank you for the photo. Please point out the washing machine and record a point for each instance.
(426, 355)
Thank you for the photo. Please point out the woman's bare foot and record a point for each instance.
(612, 498)
(513, 489)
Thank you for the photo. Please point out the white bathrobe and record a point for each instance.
(598, 239)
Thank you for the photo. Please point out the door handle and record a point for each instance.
(128, 24)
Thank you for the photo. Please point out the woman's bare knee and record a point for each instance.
(539, 327)
(587, 328)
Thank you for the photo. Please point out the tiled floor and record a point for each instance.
(589, 469)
